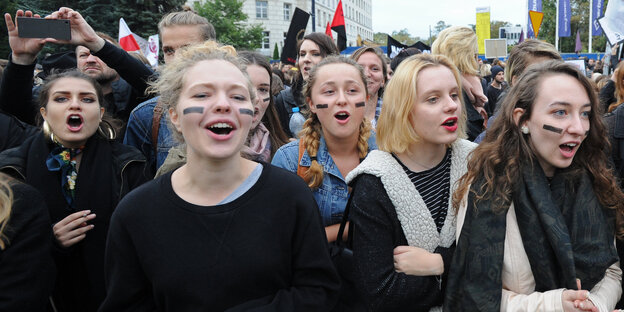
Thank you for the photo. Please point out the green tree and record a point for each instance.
(403, 36)
(276, 55)
(578, 21)
(440, 26)
(495, 26)
(6, 6)
(380, 38)
(229, 21)
(142, 16)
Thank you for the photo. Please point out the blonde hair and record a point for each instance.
(459, 43)
(188, 17)
(171, 77)
(310, 135)
(6, 201)
(394, 128)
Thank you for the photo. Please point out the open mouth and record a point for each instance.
(220, 128)
(74, 122)
(450, 124)
(342, 116)
(568, 147)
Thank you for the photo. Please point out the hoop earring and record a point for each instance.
(524, 129)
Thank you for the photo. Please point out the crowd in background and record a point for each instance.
(429, 182)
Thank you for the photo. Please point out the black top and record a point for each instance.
(265, 250)
(434, 186)
(26, 265)
(492, 94)
(383, 287)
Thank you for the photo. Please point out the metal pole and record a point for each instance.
(591, 25)
(557, 28)
(313, 16)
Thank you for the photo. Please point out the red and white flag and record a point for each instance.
(126, 38)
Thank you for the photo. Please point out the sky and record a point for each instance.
(418, 15)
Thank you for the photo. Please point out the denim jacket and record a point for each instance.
(332, 195)
(139, 133)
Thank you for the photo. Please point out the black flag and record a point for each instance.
(394, 47)
(296, 31)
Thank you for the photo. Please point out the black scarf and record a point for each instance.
(80, 278)
(566, 233)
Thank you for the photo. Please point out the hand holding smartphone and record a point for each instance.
(31, 27)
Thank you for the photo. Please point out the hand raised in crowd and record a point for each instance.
(81, 32)
(417, 261)
(24, 50)
(474, 89)
(73, 228)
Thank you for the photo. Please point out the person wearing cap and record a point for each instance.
(495, 88)
(123, 78)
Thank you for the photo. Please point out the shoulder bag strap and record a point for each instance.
(158, 111)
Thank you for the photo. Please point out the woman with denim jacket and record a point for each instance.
(335, 138)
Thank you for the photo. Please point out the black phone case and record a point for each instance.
(31, 27)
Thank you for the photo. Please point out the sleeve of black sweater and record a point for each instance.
(376, 232)
(16, 92)
(129, 68)
(607, 95)
(26, 265)
(13, 132)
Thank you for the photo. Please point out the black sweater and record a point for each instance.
(376, 232)
(264, 251)
(26, 265)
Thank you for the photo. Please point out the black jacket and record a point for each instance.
(108, 171)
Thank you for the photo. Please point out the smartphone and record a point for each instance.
(32, 27)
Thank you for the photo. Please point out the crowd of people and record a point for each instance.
(197, 187)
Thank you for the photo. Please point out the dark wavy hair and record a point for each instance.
(498, 159)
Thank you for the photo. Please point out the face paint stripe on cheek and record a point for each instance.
(553, 129)
(319, 106)
(360, 104)
(266, 99)
(193, 109)
(246, 111)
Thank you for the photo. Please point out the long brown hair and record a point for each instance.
(276, 134)
(498, 158)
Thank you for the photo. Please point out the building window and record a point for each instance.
(287, 11)
(262, 9)
(265, 40)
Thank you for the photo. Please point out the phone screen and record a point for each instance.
(31, 27)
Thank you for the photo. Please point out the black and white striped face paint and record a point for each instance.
(193, 110)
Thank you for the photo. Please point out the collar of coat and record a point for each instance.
(418, 226)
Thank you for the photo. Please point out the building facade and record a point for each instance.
(511, 33)
(275, 16)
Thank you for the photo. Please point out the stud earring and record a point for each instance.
(524, 129)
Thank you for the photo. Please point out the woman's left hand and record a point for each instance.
(417, 261)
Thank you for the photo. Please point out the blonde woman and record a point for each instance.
(221, 232)
(459, 44)
(26, 265)
(403, 224)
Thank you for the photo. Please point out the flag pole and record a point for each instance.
(313, 16)
(557, 28)
(591, 24)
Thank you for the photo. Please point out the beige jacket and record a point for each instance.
(519, 285)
